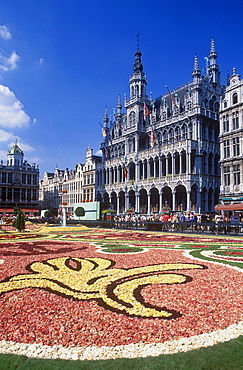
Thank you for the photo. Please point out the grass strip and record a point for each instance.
(223, 356)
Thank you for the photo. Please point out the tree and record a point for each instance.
(79, 212)
(19, 222)
(47, 213)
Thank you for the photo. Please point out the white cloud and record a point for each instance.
(40, 61)
(3, 155)
(9, 64)
(11, 110)
(6, 136)
(4, 33)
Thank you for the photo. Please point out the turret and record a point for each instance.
(15, 156)
(138, 79)
(196, 74)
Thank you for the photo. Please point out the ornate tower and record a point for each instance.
(138, 97)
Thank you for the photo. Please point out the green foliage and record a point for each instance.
(19, 222)
(79, 211)
(47, 214)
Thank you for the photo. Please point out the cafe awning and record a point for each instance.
(6, 210)
(229, 207)
(11, 210)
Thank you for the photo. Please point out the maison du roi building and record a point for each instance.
(164, 152)
(19, 183)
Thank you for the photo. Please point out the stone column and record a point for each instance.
(102, 177)
(126, 201)
(118, 204)
(173, 200)
(137, 171)
(148, 169)
(180, 171)
(126, 146)
(137, 202)
(188, 164)
(160, 167)
(199, 202)
(148, 211)
(173, 164)
(188, 194)
(160, 201)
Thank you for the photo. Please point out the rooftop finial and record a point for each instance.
(138, 34)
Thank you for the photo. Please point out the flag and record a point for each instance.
(152, 138)
(124, 170)
(172, 98)
(146, 111)
(104, 133)
(106, 153)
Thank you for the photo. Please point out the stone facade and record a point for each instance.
(163, 152)
(231, 141)
(19, 183)
(65, 188)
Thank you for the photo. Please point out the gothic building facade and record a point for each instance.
(163, 152)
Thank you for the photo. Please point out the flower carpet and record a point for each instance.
(79, 293)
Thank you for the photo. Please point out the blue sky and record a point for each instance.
(63, 61)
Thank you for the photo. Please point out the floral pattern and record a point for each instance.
(146, 287)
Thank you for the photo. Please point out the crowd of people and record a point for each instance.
(179, 221)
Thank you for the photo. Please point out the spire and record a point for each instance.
(196, 63)
(106, 119)
(213, 69)
(118, 107)
(196, 71)
(212, 48)
(213, 55)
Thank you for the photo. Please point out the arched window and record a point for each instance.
(171, 136)
(177, 134)
(235, 98)
(184, 132)
(165, 137)
(132, 119)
